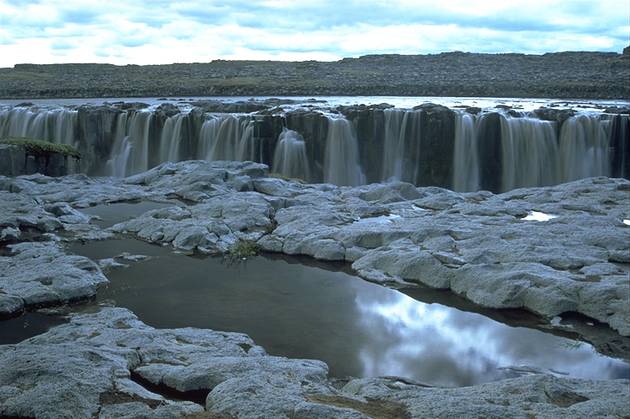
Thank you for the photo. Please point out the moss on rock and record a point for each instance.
(243, 249)
(41, 147)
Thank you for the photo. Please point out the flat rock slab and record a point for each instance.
(40, 274)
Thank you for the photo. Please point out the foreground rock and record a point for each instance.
(109, 364)
(488, 248)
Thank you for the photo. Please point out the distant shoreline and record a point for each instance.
(564, 75)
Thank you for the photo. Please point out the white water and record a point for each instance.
(290, 157)
(341, 161)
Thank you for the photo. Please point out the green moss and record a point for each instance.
(243, 249)
(41, 147)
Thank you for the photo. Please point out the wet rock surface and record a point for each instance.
(488, 248)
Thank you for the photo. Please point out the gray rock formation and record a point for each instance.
(14, 161)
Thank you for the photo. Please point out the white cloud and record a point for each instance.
(144, 32)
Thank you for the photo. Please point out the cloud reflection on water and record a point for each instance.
(444, 346)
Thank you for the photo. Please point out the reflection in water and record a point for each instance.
(446, 346)
(358, 328)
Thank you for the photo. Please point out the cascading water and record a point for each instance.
(54, 125)
(530, 152)
(618, 131)
(492, 150)
(118, 164)
(341, 159)
(392, 150)
(229, 138)
(290, 157)
(583, 148)
(466, 159)
(130, 151)
(171, 138)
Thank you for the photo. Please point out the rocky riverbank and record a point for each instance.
(559, 75)
(492, 249)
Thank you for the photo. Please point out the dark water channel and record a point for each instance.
(317, 311)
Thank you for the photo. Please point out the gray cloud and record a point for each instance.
(304, 30)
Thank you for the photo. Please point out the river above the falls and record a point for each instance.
(525, 104)
(324, 312)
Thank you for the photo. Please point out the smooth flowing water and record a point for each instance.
(319, 311)
(495, 148)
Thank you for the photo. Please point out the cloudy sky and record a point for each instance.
(163, 31)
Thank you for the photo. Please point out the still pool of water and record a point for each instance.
(29, 324)
(360, 329)
(110, 214)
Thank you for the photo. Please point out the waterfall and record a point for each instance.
(230, 138)
(465, 159)
(171, 138)
(392, 150)
(494, 151)
(290, 157)
(529, 152)
(402, 145)
(583, 148)
(54, 125)
(130, 151)
(341, 158)
(118, 163)
(618, 130)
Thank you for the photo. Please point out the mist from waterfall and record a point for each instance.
(341, 159)
(289, 158)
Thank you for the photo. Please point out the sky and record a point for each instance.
(163, 31)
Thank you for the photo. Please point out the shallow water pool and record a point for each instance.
(359, 329)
